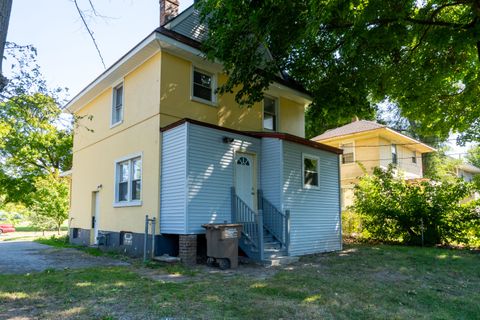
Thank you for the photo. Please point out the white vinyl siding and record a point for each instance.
(315, 213)
(211, 174)
(173, 183)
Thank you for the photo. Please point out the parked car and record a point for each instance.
(4, 228)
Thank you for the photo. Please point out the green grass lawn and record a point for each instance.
(362, 282)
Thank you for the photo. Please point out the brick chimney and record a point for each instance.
(168, 10)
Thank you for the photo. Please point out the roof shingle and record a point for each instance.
(351, 128)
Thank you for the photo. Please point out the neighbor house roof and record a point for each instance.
(467, 167)
(353, 127)
(361, 127)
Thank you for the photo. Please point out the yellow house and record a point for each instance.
(371, 145)
(155, 139)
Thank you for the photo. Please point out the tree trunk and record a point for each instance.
(5, 9)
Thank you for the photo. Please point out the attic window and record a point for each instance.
(202, 87)
(117, 105)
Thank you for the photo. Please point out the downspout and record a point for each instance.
(340, 200)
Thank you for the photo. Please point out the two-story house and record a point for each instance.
(155, 138)
(371, 145)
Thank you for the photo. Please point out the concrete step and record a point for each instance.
(279, 261)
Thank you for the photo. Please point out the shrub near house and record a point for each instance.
(393, 209)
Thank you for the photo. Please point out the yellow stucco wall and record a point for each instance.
(156, 94)
(95, 152)
(176, 103)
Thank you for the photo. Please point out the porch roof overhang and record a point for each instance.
(256, 134)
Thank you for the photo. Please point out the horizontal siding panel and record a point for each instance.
(211, 174)
(173, 188)
(315, 213)
(271, 180)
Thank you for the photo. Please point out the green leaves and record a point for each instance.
(350, 55)
(393, 209)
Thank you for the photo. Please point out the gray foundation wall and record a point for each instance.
(114, 241)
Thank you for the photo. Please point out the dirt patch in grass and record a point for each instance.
(362, 282)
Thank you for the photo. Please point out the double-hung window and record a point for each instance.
(414, 156)
(117, 105)
(394, 154)
(348, 153)
(311, 170)
(203, 86)
(270, 114)
(128, 181)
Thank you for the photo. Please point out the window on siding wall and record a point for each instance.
(117, 107)
(203, 85)
(128, 181)
(414, 156)
(394, 154)
(348, 153)
(310, 171)
(270, 114)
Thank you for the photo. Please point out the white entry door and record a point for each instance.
(244, 178)
(95, 217)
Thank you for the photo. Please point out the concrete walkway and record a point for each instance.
(28, 256)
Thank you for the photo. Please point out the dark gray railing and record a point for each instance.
(275, 221)
(252, 230)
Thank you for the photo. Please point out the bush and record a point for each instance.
(393, 209)
(351, 223)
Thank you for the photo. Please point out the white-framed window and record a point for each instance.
(394, 154)
(117, 105)
(348, 155)
(270, 113)
(128, 181)
(414, 156)
(203, 86)
(311, 171)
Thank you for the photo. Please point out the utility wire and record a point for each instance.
(90, 32)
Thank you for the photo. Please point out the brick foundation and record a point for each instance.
(187, 248)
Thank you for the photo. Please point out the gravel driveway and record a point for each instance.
(28, 256)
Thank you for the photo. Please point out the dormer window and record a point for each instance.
(203, 86)
(270, 114)
(117, 105)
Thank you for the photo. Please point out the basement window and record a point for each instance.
(128, 182)
(310, 171)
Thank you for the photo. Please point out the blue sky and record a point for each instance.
(66, 53)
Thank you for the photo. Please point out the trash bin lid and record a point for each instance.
(220, 225)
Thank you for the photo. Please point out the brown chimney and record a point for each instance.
(168, 10)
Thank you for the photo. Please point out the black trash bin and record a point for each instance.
(222, 244)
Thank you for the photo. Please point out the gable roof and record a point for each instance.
(178, 36)
(351, 128)
(364, 126)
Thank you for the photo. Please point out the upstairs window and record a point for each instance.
(203, 85)
(270, 114)
(348, 153)
(117, 106)
(310, 171)
(414, 156)
(394, 154)
(128, 181)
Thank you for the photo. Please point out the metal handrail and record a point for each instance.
(275, 221)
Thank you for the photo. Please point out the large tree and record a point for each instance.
(35, 141)
(422, 56)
